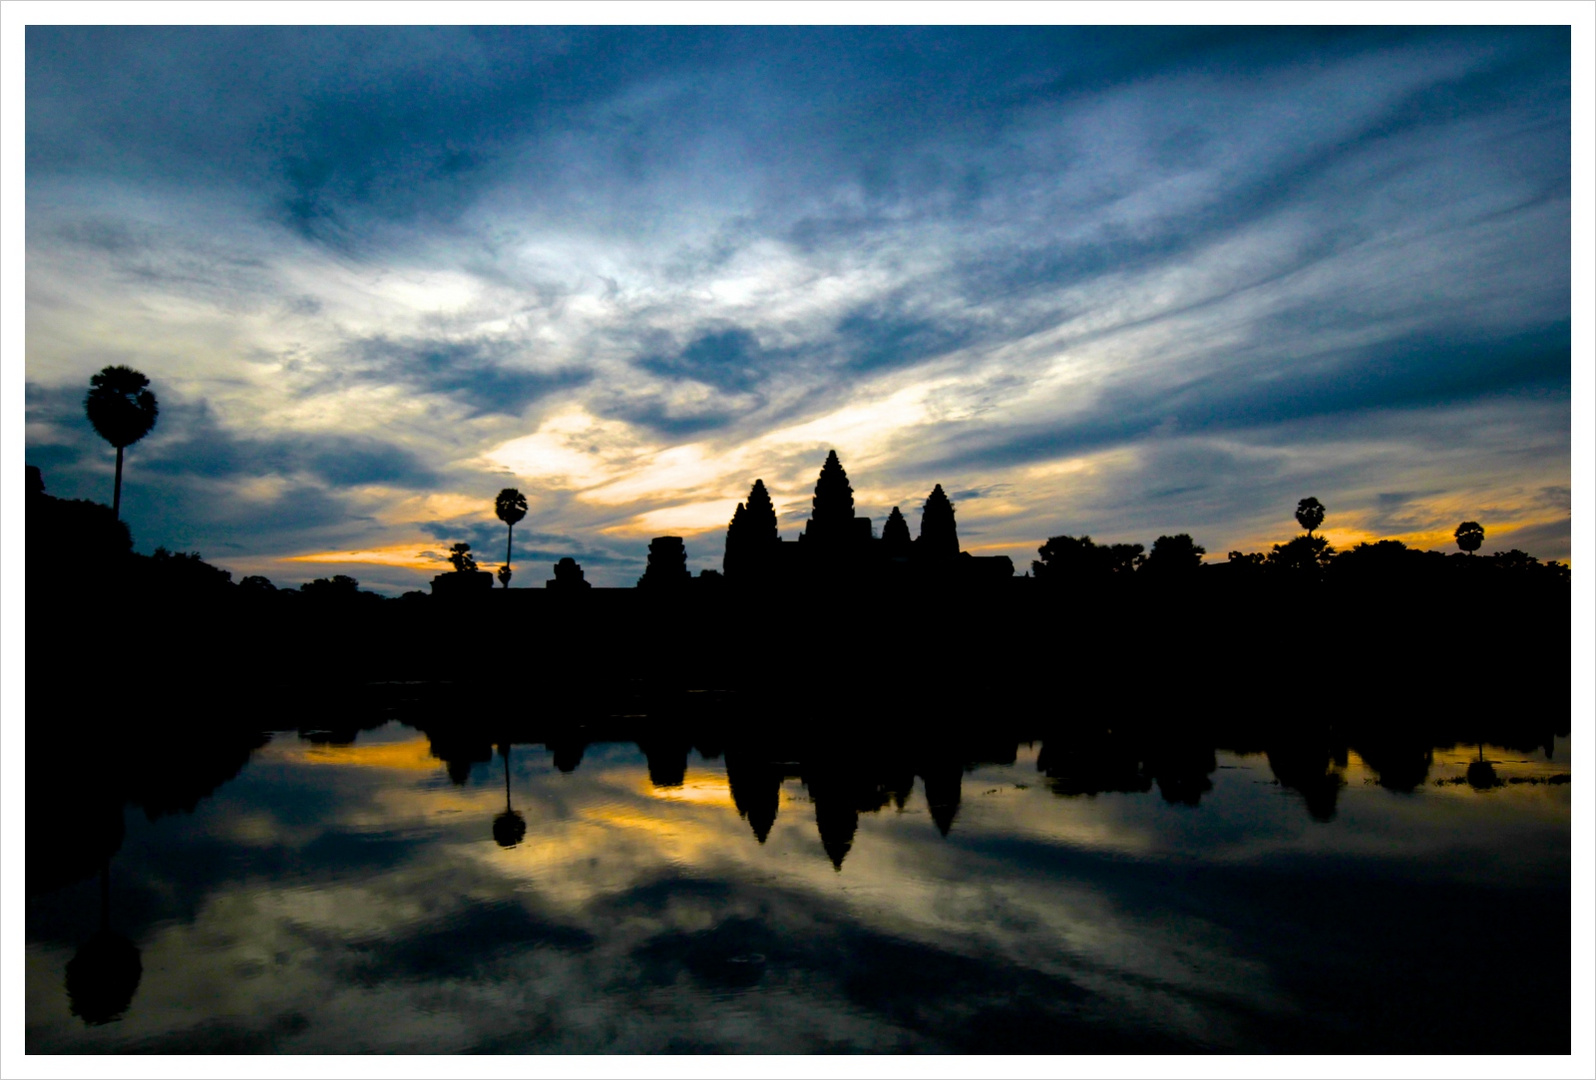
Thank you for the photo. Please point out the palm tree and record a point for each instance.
(1469, 536)
(504, 575)
(122, 409)
(461, 558)
(1310, 514)
(510, 505)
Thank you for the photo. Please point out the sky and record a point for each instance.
(1116, 281)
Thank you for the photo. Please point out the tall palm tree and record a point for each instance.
(510, 505)
(1310, 514)
(122, 409)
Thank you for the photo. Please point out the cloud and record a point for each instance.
(471, 371)
(729, 359)
(1210, 264)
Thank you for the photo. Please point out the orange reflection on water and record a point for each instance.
(412, 755)
(703, 788)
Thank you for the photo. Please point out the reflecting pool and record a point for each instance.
(387, 889)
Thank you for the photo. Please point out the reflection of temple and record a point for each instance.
(837, 545)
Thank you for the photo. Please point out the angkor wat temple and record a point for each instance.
(835, 545)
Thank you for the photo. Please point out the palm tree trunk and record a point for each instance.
(116, 492)
(509, 540)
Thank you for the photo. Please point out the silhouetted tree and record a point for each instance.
(340, 587)
(1385, 562)
(1065, 558)
(460, 558)
(510, 507)
(1174, 556)
(122, 409)
(1125, 558)
(75, 533)
(183, 572)
(1304, 556)
(667, 563)
(1246, 560)
(1310, 514)
(255, 584)
(895, 540)
(1514, 561)
(1469, 536)
(939, 536)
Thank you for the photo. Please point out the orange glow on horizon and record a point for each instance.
(407, 556)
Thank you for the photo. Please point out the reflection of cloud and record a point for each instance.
(635, 918)
(410, 755)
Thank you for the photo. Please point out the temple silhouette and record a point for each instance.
(837, 545)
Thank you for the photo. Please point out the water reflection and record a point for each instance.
(509, 828)
(103, 975)
(386, 884)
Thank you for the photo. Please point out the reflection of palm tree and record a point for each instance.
(122, 409)
(509, 827)
(103, 975)
(1481, 775)
(510, 506)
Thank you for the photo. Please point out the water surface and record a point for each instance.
(353, 896)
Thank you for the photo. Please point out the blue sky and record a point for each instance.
(1119, 281)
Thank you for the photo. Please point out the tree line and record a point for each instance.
(1303, 558)
(123, 409)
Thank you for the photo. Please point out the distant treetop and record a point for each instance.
(120, 405)
(461, 558)
(1310, 514)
